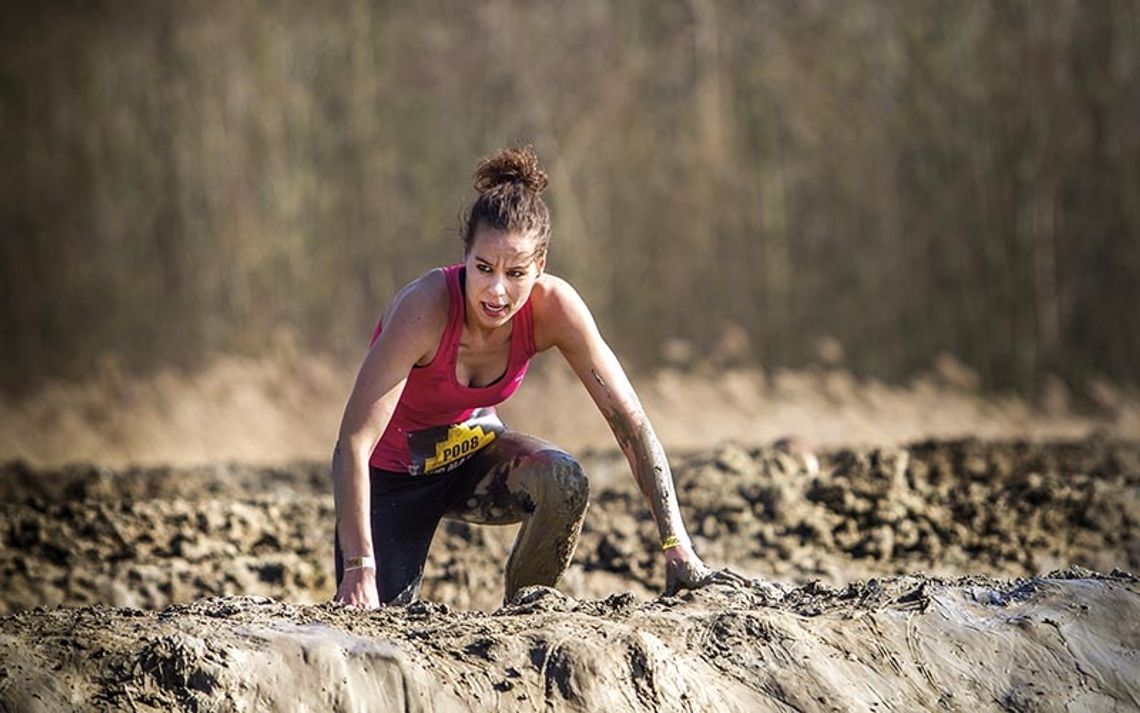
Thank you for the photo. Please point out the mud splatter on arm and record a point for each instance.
(567, 323)
(646, 456)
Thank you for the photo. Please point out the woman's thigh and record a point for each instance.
(503, 483)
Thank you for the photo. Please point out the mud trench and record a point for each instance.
(189, 588)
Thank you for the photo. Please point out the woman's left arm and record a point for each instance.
(568, 324)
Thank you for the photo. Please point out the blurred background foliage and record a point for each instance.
(731, 181)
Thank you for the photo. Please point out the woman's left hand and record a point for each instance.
(684, 570)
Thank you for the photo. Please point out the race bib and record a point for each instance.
(444, 448)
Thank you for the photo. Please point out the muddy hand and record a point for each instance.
(684, 570)
(728, 577)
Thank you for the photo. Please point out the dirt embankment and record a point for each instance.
(1068, 641)
(847, 621)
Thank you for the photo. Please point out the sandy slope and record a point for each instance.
(149, 563)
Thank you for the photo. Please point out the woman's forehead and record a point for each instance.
(494, 245)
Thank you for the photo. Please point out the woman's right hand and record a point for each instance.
(358, 589)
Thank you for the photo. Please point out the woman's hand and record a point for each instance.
(358, 589)
(684, 570)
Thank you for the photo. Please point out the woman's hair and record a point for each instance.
(510, 186)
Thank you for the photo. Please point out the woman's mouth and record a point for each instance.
(494, 310)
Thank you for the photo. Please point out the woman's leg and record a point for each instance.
(522, 478)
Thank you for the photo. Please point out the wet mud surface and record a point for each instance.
(988, 575)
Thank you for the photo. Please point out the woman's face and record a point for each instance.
(502, 268)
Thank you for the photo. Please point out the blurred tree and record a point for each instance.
(907, 178)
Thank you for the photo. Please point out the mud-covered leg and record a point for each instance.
(546, 540)
(547, 491)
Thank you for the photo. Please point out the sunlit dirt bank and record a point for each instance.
(271, 410)
(944, 574)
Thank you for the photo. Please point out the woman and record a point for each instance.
(420, 440)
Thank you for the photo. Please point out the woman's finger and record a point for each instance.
(725, 576)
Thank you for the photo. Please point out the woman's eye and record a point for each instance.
(515, 273)
(483, 268)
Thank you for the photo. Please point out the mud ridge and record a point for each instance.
(1066, 640)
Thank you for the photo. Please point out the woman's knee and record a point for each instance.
(563, 482)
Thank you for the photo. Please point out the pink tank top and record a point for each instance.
(438, 422)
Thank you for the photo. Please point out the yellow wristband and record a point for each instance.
(669, 543)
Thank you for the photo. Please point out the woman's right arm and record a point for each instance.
(412, 328)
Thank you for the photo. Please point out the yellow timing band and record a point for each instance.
(669, 543)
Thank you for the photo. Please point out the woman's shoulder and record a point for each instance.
(552, 285)
(552, 293)
(557, 309)
(424, 299)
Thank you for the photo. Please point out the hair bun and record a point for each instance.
(511, 166)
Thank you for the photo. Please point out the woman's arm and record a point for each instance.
(568, 324)
(412, 328)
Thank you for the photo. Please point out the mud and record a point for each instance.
(1067, 641)
(947, 574)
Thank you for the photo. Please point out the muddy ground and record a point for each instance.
(883, 578)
